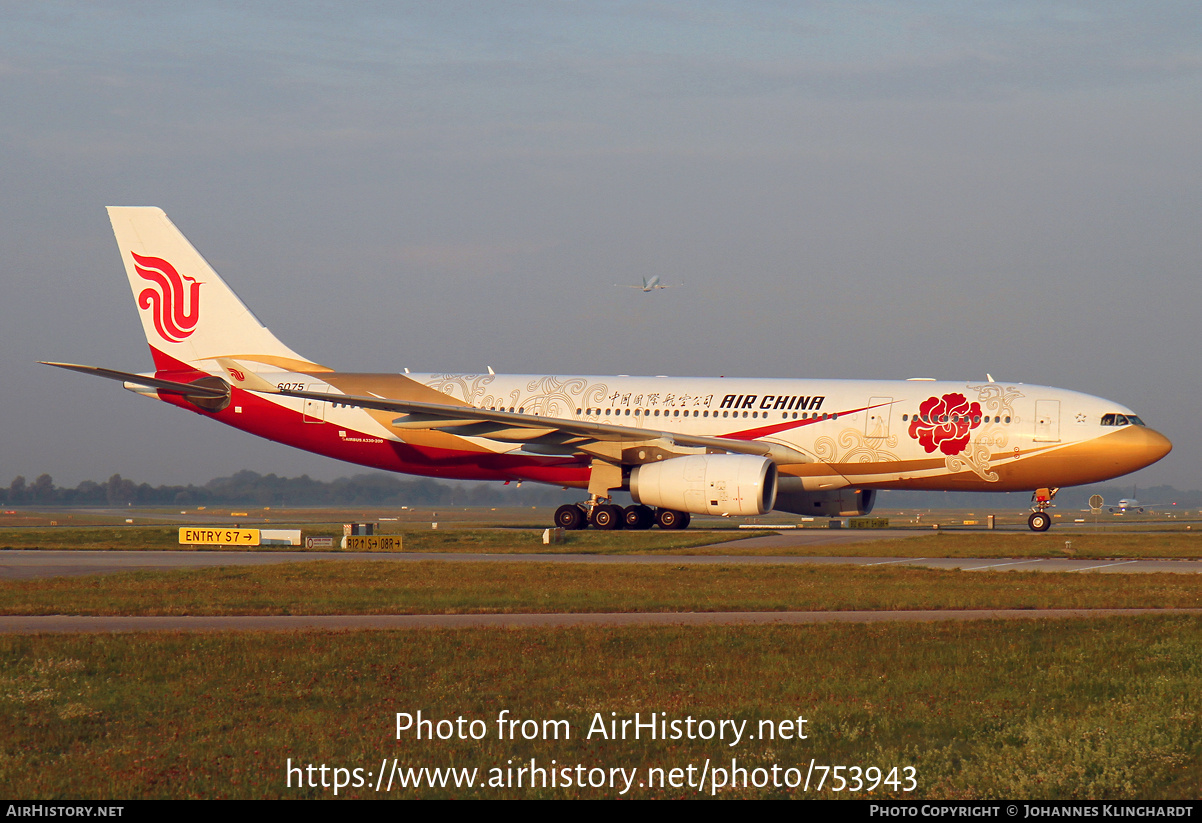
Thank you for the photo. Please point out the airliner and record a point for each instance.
(649, 284)
(679, 445)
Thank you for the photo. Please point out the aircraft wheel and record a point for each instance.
(607, 517)
(671, 519)
(638, 517)
(570, 517)
(1039, 521)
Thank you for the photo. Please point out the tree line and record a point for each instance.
(248, 488)
(252, 488)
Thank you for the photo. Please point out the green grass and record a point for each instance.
(1002, 544)
(1046, 709)
(328, 587)
(124, 538)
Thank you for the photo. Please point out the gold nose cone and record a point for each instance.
(1157, 445)
(1139, 446)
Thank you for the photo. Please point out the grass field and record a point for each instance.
(1066, 709)
(469, 588)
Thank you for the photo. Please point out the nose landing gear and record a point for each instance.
(1041, 501)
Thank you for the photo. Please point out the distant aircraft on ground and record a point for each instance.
(649, 284)
(1130, 504)
(679, 445)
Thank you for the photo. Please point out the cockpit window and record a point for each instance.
(1115, 419)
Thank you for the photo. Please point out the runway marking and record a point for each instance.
(1105, 565)
(1000, 565)
(892, 562)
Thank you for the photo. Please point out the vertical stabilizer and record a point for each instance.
(187, 310)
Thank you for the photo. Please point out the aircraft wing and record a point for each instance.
(547, 434)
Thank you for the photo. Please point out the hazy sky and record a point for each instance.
(878, 190)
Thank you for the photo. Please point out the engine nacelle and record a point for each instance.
(791, 497)
(736, 484)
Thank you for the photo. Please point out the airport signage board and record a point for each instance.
(210, 536)
(373, 543)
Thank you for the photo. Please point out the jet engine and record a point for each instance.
(735, 484)
(791, 497)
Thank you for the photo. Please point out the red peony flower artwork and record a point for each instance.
(945, 423)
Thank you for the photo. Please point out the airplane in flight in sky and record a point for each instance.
(649, 284)
(678, 445)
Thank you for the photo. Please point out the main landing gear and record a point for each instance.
(1041, 501)
(608, 516)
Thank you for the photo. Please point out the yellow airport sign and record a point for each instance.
(208, 536)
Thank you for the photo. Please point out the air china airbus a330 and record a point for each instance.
(679, 445)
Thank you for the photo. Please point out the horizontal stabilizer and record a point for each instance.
(190, 389)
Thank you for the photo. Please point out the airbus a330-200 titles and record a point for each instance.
(679, 445)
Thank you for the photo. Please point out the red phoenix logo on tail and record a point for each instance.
(175, 310)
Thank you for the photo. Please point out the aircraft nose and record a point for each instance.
(1145, 446)
(1158, 445)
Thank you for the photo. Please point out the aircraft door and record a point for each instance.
(876, 421)
(315, 410)
(1047, 421)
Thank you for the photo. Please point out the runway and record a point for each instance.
(28, 565)
(64, 624)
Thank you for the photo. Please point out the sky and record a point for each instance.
(871, 190)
